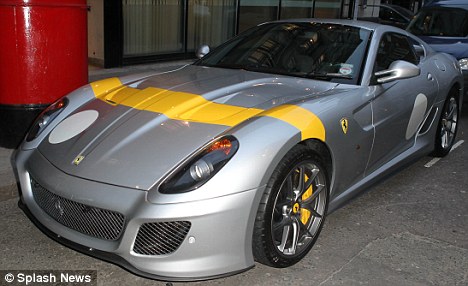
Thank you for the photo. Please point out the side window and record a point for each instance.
(385, 14)
(418, 49)
(394, 47)
(389, 15)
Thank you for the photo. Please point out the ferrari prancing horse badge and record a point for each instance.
(344, 125)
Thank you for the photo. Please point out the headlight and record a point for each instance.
(46, 117)
(201, 167)
(463, 63)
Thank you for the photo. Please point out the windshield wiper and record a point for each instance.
(272, 70)
(328, 75)
(229, 66)
(250, 67)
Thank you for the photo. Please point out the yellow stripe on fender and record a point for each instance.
(308, 123)
(195, 108)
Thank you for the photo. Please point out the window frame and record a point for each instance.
(410, 43)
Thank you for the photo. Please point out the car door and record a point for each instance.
(400, 106)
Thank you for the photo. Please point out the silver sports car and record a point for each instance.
(197, 172)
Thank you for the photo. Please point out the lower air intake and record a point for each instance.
(161, 238)
(92, 221)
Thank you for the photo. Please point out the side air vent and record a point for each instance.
(429, 121)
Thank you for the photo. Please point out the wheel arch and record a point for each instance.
(459, 88)
(447, 126)
(319, 147)
(323, 151)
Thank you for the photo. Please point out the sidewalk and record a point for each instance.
(7, 178)
(8, 188)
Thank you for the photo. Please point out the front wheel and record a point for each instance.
(447, 127)
(292, 211)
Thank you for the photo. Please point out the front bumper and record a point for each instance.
(217, 243)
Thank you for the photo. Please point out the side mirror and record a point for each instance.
(397, 70)
(202, 51)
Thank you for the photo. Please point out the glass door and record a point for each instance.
(210, 22)
(152, 27)
(254, 12)
(293, 9)
(327, 9)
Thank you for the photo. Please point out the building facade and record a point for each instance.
(123, 32)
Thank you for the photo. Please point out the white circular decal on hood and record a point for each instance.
(72, 126)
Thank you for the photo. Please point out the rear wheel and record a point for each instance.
(447, 127)
(292, 210)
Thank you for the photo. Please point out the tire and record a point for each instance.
(292, 210)
(447, 126)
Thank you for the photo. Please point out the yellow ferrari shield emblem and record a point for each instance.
(78, 160)
(296, 208)
(344, 125)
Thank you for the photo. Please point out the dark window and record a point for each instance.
(418, 49)
(447, 22)
(394, 47)
(390, 15)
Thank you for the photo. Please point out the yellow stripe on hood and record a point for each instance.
(195, 108)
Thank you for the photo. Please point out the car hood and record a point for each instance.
(457, 47)
(133, 135)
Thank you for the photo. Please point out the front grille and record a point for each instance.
(92, 221)
(161, 238)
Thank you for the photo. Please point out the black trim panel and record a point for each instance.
(113, 33)
(157, 58)
(15, 121)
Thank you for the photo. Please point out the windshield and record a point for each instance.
(312, 50)
(446, 22)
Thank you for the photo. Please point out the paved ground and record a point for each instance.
(411, 229)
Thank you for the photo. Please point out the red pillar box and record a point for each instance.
(43, 56)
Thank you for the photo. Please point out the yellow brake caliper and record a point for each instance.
(305, 213)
